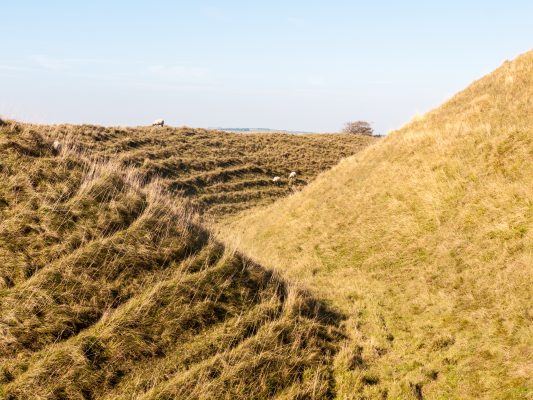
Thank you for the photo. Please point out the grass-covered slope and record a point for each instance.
(425, 241)
(221, 173)
(110, 289)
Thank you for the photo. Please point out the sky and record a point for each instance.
(295, 65)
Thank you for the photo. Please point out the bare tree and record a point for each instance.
(358, 127)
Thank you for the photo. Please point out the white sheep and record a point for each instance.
(160, 122)
(56, 146)
(276, 179)
(292, 175)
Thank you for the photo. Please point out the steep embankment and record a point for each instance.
(110, 289)
(424, 240)
(221, 173)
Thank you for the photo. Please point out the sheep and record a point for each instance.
(56, 146)
(276, 179)
(292, 175)
(158, 122)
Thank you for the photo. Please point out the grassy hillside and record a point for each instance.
(424, 241)
(111, 289)
(222, 173)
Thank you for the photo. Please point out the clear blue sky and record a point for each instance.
(300, 65)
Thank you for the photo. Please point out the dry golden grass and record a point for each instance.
(111, 289)
(221, 173)
(424, 240)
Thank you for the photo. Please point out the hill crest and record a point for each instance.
(422, 241)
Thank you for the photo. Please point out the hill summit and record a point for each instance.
(424, 241)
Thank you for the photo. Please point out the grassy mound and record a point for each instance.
(221, 173)
(424, 240)
(110, 289)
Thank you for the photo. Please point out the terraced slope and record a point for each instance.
(222, 173)
(110, 289)
(424, 240)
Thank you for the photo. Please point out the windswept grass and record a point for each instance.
(111, 289)
(220, 173)
(425, 241)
